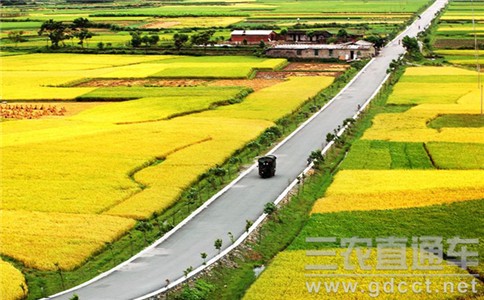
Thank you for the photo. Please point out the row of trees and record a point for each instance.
(58, 32)
(203, 38)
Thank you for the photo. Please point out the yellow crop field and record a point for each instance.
(183, 166)
(416, 93)
(411, 125)
(458, 52)
(392, 189)
(287, 278)
(12, 282)
(276, 101)
(81, 189)
(41, 240)
(169, 103)
(57, 62)
(432, 71)
(57, 207)
(191, 22)
(45, 76)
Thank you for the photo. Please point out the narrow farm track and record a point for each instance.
(243, 199)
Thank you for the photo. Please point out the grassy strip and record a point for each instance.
(45, 283)
(231, 280)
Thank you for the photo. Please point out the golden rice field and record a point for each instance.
(12, 282)
(48, 77)
(42, 240)
(288, 278)
(66, 208)
(411, 126)
(393, 189)
(191, 22)
(274, 102)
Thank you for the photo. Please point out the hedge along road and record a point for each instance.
(243, 199)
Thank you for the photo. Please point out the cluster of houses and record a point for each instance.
(306, 44)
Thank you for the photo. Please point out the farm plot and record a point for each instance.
(462, 98)
(149, 150)
(391, 189)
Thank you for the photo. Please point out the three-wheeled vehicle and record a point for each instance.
(267, 166)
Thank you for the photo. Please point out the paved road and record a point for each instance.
(244, 200)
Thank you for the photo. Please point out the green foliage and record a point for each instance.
(218, 244)
(149, 40)
(270, 208)
(56, 31)
(203, 38)
(199, 292)
(74, 297)
(377, 40)
(16, 36)
(179, 40)
(135, 39)
(413, 48)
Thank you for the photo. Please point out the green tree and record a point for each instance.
(135, 39)
(218, 244)
(203, 38)
(269, 208)
(377, 40)
(79, 26)
(16, 37)
(342, 35)
(412, 47)
(179, 40)
(150, 40)
(56, 31)
(81, 23)
(204, 257)
(311, 35)
(83, 34)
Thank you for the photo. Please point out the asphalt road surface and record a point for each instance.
(244, 200)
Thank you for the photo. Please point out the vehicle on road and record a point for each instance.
(267, 166)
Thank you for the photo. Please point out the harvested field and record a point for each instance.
(256, 84)
(283, 75)
(299, 66)
(71, 108)
(160, 24)
(142, 82)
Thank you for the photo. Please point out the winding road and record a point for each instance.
(243, 199)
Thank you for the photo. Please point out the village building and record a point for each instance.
(303, 36)
(346, 51)
(252, 36)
